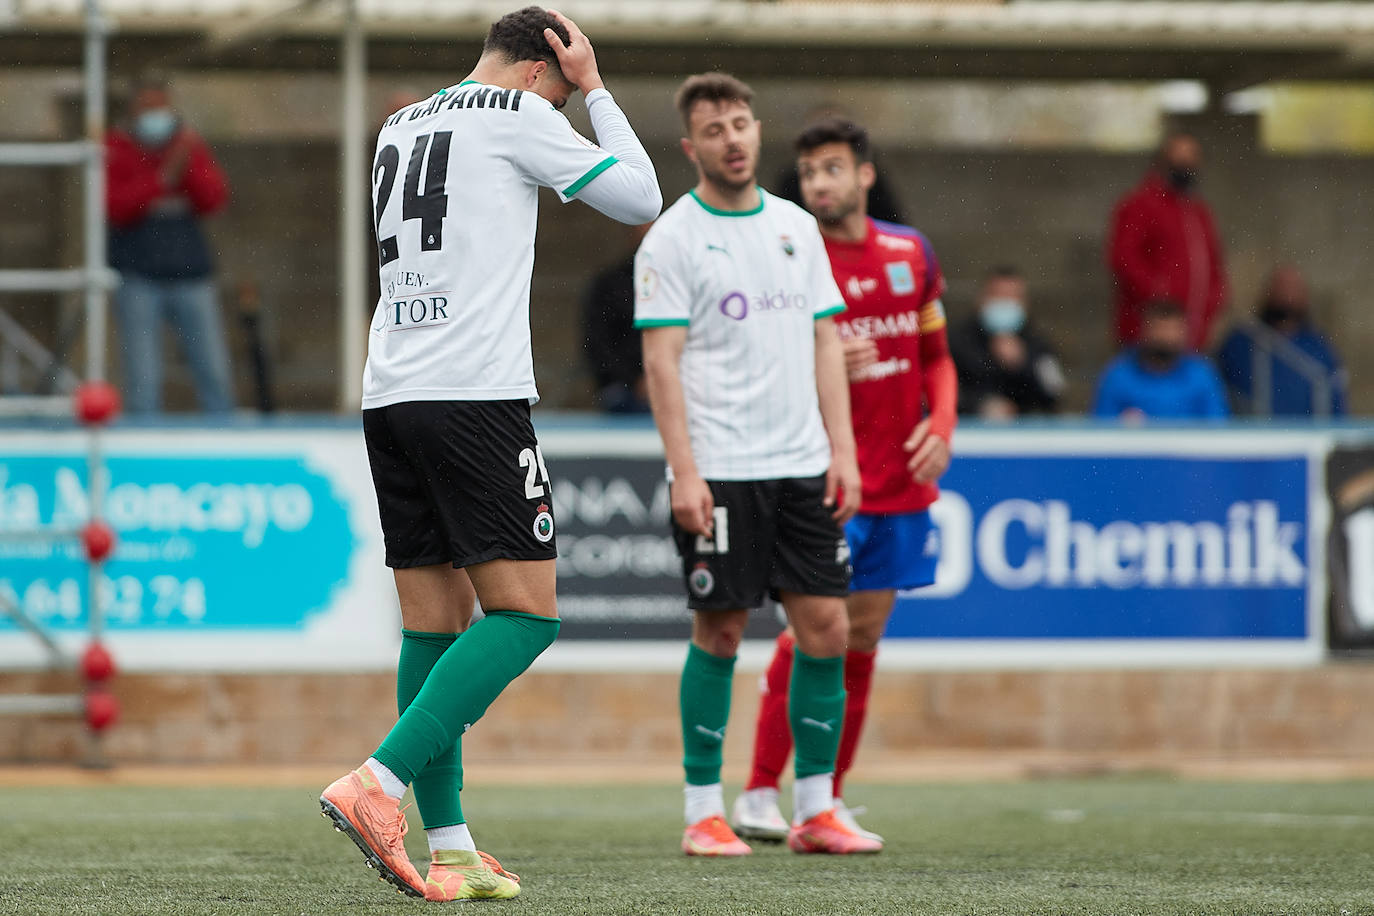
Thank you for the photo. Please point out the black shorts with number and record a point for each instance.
(459, 482)
(770, 536)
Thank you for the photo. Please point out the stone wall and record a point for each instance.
(307, 719)
(1042, 207)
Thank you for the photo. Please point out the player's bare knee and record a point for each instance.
(822, 628)
(864, 637)
(721, 645)
(719, 632)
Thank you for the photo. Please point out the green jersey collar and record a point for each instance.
(717, 212)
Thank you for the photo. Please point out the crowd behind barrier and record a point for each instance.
(1167, 260)
(1162, 246)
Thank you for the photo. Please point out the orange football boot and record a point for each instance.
(827, 833)
(713, 837)
(375, 822)
(460, 874)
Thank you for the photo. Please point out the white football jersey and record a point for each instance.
(455, 186)
(748, 286)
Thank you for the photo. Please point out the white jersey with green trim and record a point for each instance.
(455, 186)
(748, 286)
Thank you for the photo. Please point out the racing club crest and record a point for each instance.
(701, 581)
(543, 524)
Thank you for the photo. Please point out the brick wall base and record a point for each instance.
(1321, 712)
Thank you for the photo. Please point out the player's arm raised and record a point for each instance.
(692, 502)
(843, 488)
(628, 189)
(576, 59)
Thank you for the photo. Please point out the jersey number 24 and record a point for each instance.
(429, 208)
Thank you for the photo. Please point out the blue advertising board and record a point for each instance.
(1122, 546)
(1059, 547)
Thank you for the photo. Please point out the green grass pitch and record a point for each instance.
(1107, 846)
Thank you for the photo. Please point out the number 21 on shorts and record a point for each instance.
(719, 542)
(532, 460)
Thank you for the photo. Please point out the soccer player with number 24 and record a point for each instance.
(462, 490)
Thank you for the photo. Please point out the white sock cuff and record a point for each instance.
(700, 802)
(812, 795)
(391, 783)
(456, 836)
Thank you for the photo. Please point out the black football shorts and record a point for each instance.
(770, 536)
(459, 482)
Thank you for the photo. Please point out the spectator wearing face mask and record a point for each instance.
(1005, 369)
(1281, 365)
(1163, 244)
(161, 182)
(1158, 378)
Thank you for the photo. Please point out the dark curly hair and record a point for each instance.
(519, 36)
(836, 130)
(710, 87)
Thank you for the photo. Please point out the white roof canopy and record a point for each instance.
(1020, 21)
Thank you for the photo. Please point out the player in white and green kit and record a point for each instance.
(462, 490)
(747, 382)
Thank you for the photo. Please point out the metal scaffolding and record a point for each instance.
(93, 280)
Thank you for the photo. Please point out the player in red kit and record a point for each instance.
(902, 390)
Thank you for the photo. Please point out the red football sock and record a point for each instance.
(773, 736)
(858, 681)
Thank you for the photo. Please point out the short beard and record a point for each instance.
(725, 185)
(836, 214)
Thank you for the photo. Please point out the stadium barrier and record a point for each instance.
(254, 619)
(258, 549)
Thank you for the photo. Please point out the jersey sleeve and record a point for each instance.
(932, 315)
(662, 283)
(551, 153)
(825, 294)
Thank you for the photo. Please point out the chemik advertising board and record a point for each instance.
(1057, 547)
(258, 549)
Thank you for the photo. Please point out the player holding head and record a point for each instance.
(893, 331)
(747, 385)
(461, 485)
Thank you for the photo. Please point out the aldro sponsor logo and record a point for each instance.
(739, 305)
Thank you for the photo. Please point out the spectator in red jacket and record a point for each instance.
(1164, 245)
(161, 180)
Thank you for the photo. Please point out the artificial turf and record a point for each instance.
(1109, 846)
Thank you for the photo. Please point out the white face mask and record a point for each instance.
(1003, 316)
(155, 126)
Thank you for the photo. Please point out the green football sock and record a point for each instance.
(438, 785)
(815, 710)
(704, 699)
(463, 683)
